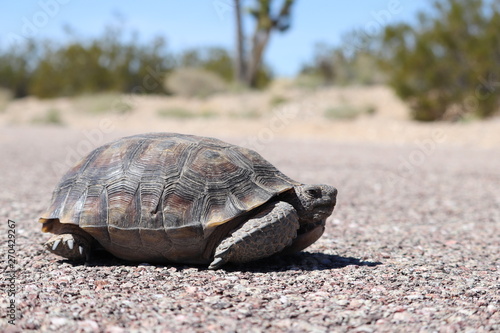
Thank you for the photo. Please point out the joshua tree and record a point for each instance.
(248, 65)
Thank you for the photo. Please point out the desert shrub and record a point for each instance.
(342, 65)
(102, 103)
(5, 98)
(16, 67)
(220, 62)
(115, 61)
(448, 65)
(213, 59)
(51, 117)
(175, 112)
(348, 112)
(181, 113)
(245, 114)
(194, 82)
(277, 100)
(109, 63)
(309, 81)
(105, 64)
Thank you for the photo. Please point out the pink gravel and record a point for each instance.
(413, 246)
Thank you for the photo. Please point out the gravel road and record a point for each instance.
(412, 246)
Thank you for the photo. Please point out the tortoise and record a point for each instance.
(174, 198)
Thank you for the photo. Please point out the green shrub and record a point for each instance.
(194, 82)
(348, 112)
(245, 114)
(175, 112)
(5, 98)
(16, 72)
(214, 59)
(114, 62)
(309, 81)
(181, 113)
(51, 117)
(107, 63)
(208, 114)
(277, 100)
(220, 62)
(448, 65)
(102, 103)
(342, 65)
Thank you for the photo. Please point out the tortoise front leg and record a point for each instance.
(268, 233)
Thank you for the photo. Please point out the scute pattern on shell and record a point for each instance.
(182, 184)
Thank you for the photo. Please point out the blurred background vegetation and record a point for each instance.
(445, 66)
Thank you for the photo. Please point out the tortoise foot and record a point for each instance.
(71, 246)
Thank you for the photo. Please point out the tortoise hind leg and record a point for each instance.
(72, 246)
(70, 241)
(268, 233)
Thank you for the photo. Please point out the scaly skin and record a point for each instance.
(262, 236)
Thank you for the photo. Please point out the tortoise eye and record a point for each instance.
(314, 193)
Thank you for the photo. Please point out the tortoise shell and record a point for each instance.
(163, 196)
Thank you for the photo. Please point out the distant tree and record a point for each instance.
(240, 61)
(249, 65)
(449, 64)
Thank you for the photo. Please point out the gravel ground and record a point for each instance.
(413, 246)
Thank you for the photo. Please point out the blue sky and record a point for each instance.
(187, 24)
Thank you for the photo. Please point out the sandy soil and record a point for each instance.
(300, 115)
(412, 246)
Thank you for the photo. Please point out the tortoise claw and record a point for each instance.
(217, 263)
(56, 243)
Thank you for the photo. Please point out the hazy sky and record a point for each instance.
(187, 24)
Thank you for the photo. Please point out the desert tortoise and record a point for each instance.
(165, 197)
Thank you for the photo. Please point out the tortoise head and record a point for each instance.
(314, 203)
